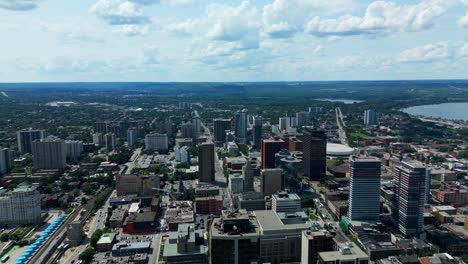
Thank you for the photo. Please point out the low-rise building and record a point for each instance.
(126, 248)
(347, 253)
(118, 216)
(209, 205)
(105, 242)
(140, 223)
(185, 246)
(179, 212)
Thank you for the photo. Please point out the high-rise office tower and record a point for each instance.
(101, 127)
(5, 160)
(248, 174)
(269, 148)
(206, 162)
(156, 142)
(314, 157)
(26, 137)
(186, 130)
(197, 125)
(272, 181)
(257, 131)
(284, 123)
(364, 189)
(409, 182)
(49, 153)
(302, 118)
(132, 137)
(98, 139)
(110, 141)
(240, 123)
(220, 126)
(20, 206)
(371, 118)
(73, 148)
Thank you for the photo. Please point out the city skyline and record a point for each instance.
(187, 40)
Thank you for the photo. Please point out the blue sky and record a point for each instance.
(227, 40)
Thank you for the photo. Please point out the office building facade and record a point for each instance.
(248, 175)
(220, 126)
(257, 131)
(21, 206)
(409, 182)
(132, 137)
(49, 153)
(5, 160)
(206, 162)
(26, 137)
(156, 141)
(371, 118)
(269, 148)
(74, 148)
(364, 189)
(240, 126)
(110, 140)
(314, 155)
(272, 181)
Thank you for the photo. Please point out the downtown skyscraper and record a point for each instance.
(409, 183)
(314, 157)
(240, 126)
(364, 189)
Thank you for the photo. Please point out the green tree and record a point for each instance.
(87, 255)
(4, 237)
(95, 237)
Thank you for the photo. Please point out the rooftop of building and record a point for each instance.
(334, 149)
(216, 197)
(218, 229)
(284, 196)
(126, 245)
(141, 217)
(106, 238)
(348, 251)
(269, 220)
(171, 243)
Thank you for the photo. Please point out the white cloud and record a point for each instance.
(426, 53)
(234, 24)
(463, 21)
(119, 12)
(184, 28)
(381, 17)
(168, 2)
(464, 49)
(131, 30)
(151, 56)
(19, 5)
(284, 18)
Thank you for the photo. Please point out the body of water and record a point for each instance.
(345, 101)
(453, 111)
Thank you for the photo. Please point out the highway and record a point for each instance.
(340, 124)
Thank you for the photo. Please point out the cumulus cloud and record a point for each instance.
(119, 12)
(234, 24)
(19, 5)
(463, 21)
(284, 18)
(168, 2)
(426, 53)
(381, 17)
(464, 50)
(184, 28)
